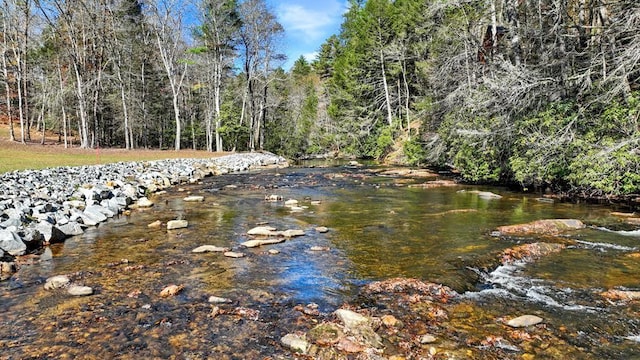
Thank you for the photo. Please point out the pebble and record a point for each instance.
(427, 339)
(209, 248)
(524, 321)
(57, 282)
(320, 248)
(233, 254)
(177, 224)
(144, 203)
(194, 198)
(273, 252)
(155, 224)
(219, 300)
(256, 243)
(295, 343)
(77, 290)
(322, 229)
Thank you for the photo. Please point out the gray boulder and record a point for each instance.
(50, 232)
(11, 243)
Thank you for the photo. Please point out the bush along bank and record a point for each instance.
(39, 207)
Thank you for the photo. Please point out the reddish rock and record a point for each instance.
(542, 227)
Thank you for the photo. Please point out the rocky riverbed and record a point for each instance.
(39, 207)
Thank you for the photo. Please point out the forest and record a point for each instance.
(543, 94)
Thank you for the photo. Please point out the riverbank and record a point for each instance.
(39, 207)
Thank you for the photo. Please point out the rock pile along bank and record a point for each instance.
(38, 207)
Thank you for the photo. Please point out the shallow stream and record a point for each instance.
(380, 226)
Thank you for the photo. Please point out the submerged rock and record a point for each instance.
(209, 248)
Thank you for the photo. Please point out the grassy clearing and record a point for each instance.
(17, 156)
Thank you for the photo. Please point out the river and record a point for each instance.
(380, 226)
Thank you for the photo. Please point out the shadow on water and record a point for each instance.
(379, 227)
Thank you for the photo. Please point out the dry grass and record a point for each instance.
(17, 156)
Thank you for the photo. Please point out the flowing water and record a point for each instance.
(380, 227)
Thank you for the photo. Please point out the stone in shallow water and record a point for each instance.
(77, 290)
(351, 319)
(219, 300)
(322, 229)
(524, 321)
(256, 243)
(209, 248)
(56, 282)
(232, 254)
(177, 224)
(144, 202)
(262, 231)
(155, 224)
(295, 343)
(194, 198)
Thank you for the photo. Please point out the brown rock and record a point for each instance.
(549, 227)
(171, 290)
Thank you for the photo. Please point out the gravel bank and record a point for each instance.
(46, 206)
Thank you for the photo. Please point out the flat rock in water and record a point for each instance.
(233, 254)
(57, 282)
(295, 343)
(77, 290)
(524, 321)
(624, 295)
(351, 319)
(155, 224)
(143, 202)
(219, 300)
(488, 195)
(177, 224)
(209, 248)
(194, 198)
(262, 231)
(547, 226)
(291, 202)
(171, 290)
(322, 229)
(292, 233)
(273, 252)
(256, 243)
(320, 248)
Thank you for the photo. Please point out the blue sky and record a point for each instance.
(307, 24)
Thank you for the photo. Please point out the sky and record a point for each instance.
(307, 24)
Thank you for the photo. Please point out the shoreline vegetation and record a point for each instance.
(32, 155)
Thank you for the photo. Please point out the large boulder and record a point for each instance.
(51, 233)
(11, 243)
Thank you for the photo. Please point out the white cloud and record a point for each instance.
(311, 56)
(307, 23)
